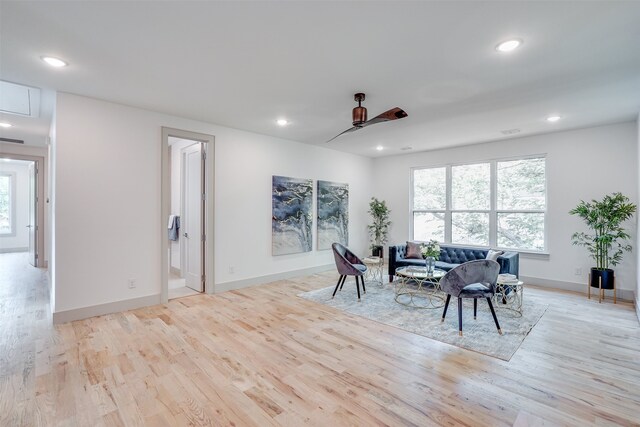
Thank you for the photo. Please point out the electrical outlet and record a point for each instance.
(132, 283)
(578, 271)
(231, 269)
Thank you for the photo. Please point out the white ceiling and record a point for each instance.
(245, 64)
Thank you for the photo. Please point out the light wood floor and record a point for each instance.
(261, 356)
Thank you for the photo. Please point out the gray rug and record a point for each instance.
(480, 335)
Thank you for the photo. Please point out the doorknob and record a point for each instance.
(186, 235)
(29, 226)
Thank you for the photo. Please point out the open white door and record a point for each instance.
(33, 216)
(193, 218)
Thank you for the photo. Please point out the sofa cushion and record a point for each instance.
(414, 250)
(478, 290)
(445, 265)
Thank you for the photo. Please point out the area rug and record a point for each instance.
(480, 335)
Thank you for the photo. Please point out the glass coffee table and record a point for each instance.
(509, 296)
(419, 289)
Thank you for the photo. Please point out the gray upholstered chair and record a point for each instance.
(473, 279)
(348, 264)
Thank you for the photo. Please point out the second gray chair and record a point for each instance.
(348, 264)
(473, 279)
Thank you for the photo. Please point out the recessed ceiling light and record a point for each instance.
(282, 122)
(5, 125)
(553, 118)
(54, 62)
(379, 148)
(508, 45)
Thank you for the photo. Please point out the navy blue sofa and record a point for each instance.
(452, 256)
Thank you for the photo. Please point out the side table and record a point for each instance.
(374, 269)
(509, 296)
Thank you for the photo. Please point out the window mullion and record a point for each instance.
(448, 207)
(493, 217)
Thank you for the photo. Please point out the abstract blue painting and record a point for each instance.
(292, 215)
(333, 214)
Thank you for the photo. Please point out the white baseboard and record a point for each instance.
(11, 250)
(110, 307)
(623, 294)
(245, 283)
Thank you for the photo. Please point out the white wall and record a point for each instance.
(581, 164)
(107, 187)
(637, 246)
(19, 241)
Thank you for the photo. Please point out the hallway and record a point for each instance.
(25, 337)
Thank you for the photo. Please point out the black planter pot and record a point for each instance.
(606, 275)
(377, 251)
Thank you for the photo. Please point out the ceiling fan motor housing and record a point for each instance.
(359, 116)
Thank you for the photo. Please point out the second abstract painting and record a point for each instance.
(333, 214)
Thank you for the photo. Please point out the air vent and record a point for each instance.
(13, 141)
(19, 100)
(510, 131)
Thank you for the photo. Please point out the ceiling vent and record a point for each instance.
(510, 131)
(11, 140)
(19, 100)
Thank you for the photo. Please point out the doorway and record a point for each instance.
(21, 208)
(187, 202)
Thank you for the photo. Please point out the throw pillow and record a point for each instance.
(414, 250)
(493, 255)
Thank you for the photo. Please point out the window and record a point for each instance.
(7, 202)
(501, 203)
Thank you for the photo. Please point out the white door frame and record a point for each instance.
(165, 203)
(39, 162)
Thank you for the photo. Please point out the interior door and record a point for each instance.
(33, 217)
(193, 221)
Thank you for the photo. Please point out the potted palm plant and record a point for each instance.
(379, 227)
(608, 240)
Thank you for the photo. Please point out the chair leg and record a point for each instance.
(358, 287)
(493, 313)
(337, 285)
(390, 279)
(364, 290)
(344, 278)
(475, 308)
(446, 305)
(460, 316)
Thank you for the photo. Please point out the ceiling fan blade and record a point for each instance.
(393, 114)
(355, 128)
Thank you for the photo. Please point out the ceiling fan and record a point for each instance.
(359, 115)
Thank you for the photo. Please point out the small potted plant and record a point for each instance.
(379, 228)
(431, 253)
(608, 239)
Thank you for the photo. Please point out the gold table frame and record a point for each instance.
(412, 283)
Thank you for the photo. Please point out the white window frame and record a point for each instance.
(12, 203)
(493, 211)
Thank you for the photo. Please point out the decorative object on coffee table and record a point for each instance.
(431, 253)
(374, 269)
(379, 227)
(608, 243)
